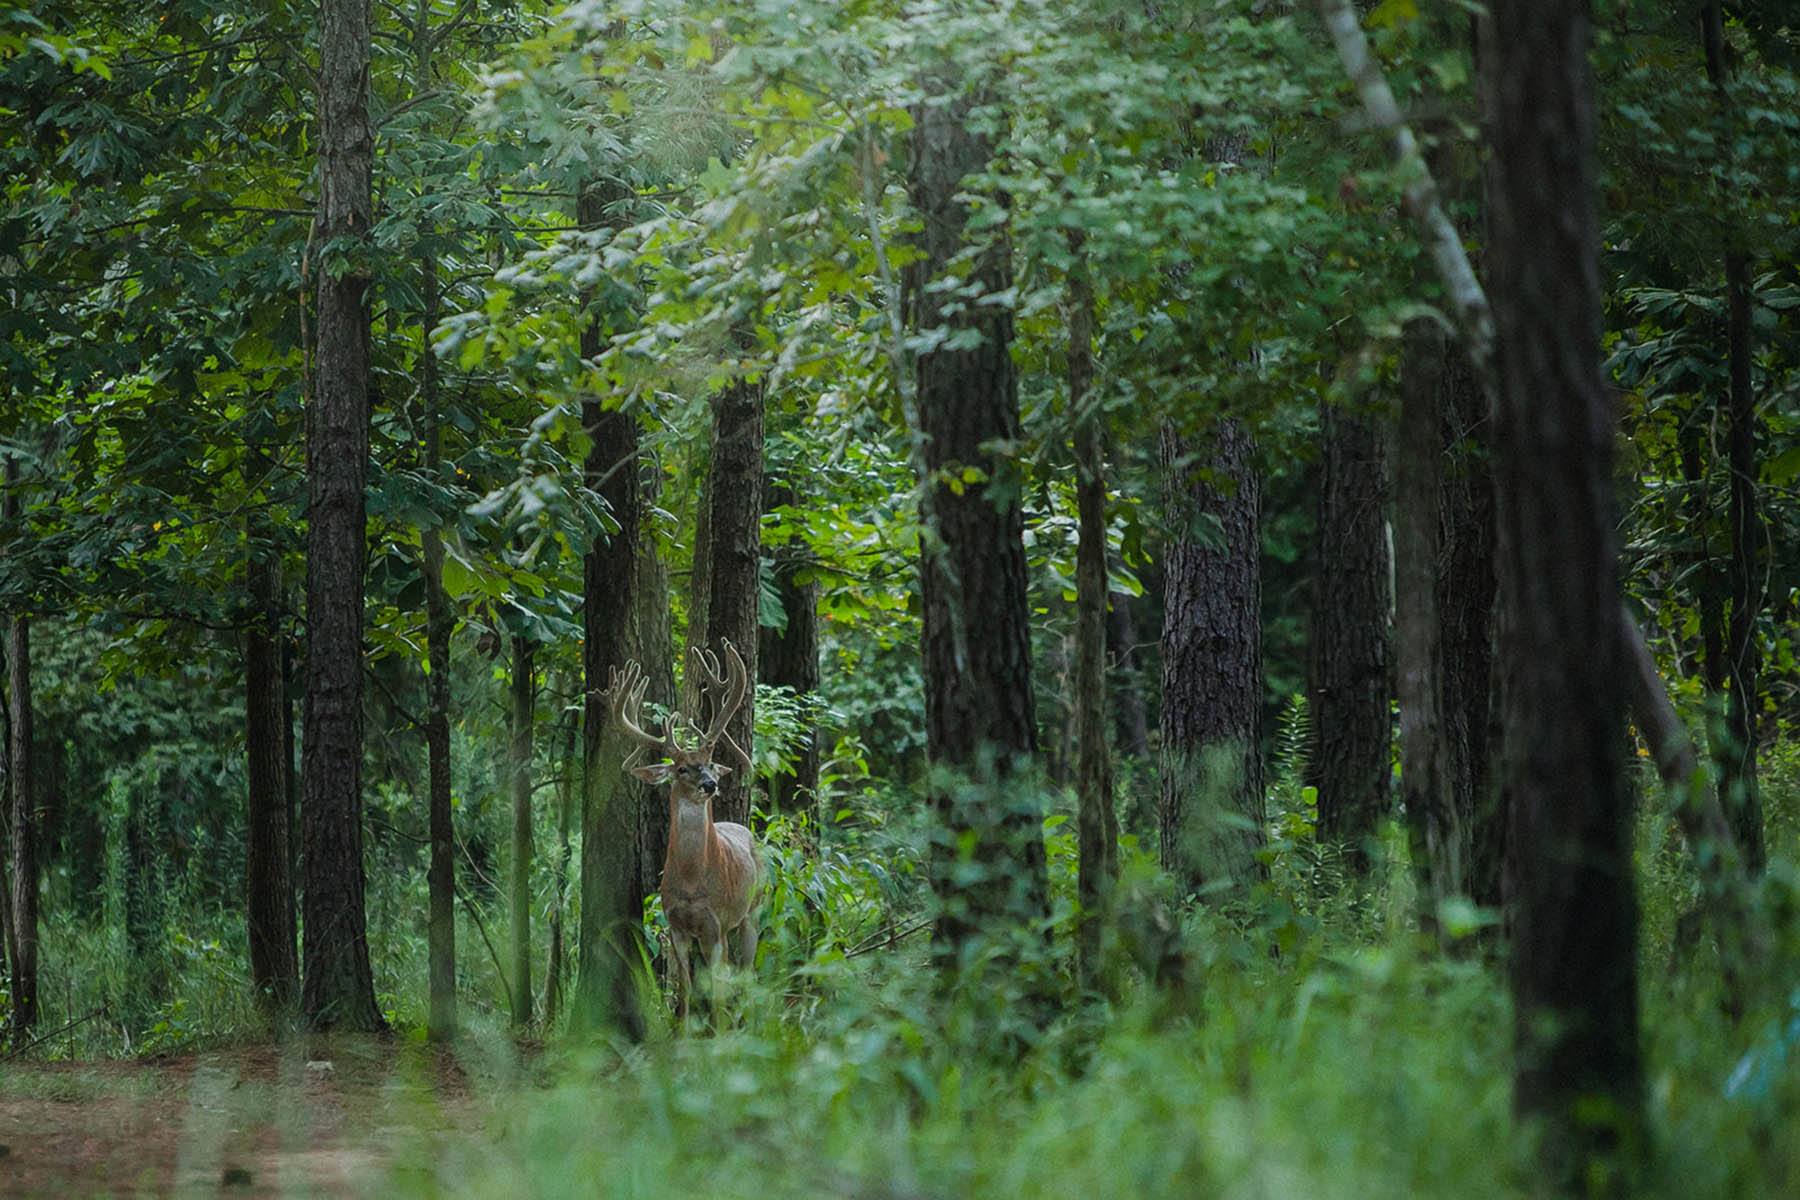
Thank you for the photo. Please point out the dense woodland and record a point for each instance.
(1260, 539)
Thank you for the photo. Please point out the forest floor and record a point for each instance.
(325, 1118)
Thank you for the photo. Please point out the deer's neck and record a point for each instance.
(690, 835)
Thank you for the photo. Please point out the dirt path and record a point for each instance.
(319, 1119)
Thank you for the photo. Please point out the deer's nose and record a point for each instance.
(709, 785)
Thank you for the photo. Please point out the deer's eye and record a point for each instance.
(684, 770)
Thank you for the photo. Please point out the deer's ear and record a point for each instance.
(655, 773)
(721, 770)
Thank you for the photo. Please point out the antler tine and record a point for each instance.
(735, 680)
(625, 698)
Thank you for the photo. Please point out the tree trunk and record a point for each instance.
(700, 571)
(609, 942)
(790, 658)
(1573, 915)
(524, 705)
(339, 989)
(735, 565)
(567, 768)
(1439, 829)
(652, 644)
(987, 864)
(1465, 613)
(440, 629)
(1212, 780)
(1737, 760)
(21, 763)
(1350, 759)
(1097, 826)
(268, 892)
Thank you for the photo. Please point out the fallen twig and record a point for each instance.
(38, 1041)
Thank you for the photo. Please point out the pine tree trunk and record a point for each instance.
(524, 705)
(339, 988)
(1573, 916)
(1465, 613)
(987, 862)
(790, 658)
(1212, 810)
(440, 628)
(268, 893)
(652, 644)
(609, 941)
(734, 585)
(1350, 759)
(1097, 826)
(1439, 829)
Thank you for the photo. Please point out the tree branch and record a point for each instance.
(1419, 193)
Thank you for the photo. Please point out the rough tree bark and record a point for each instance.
(987, 863)
(339, 989)
(523, 710)
(609, 941)
(268, 892)
(1438, 828)
(734, 567)
(1097, 826)
(1349, 760)
(1212, 809)
(1465, 613)
(1573, 914)
(790, 658)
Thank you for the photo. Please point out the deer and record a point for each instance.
(712, 877)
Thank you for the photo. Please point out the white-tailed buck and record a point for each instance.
(712, 875)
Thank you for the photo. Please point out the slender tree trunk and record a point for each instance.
(987, 863)
(1097, 827)
(339, 988)
(21, 765)
(268, 892)
(1350, 760)
(567, 766)
(1706, 591)
(1738, 776)
(524, 705)
(609, 942)
(1212, 779)
(1737, 762)
(735, 586)
(440, 629)
(1573, 913)
(1439, 829)
(790, 658)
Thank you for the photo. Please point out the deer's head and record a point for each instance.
(690, 770)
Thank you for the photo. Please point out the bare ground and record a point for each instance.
(301, 1118)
